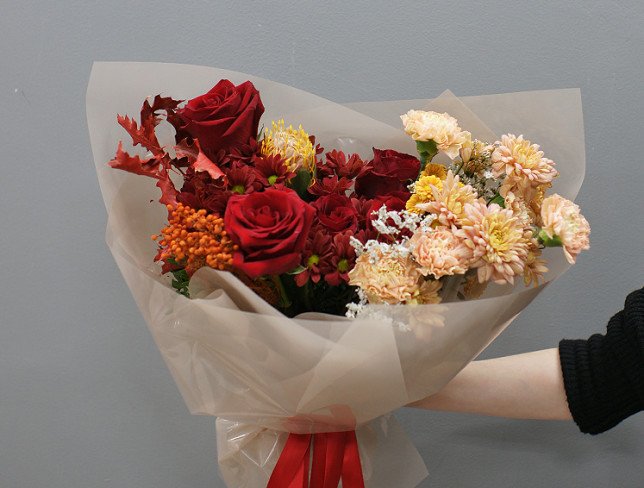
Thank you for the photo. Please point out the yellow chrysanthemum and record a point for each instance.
(292, 144)
(433, 169)
(423, 187)
(414, 200)
(423, 192)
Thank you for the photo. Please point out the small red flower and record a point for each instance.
(329, 185)
(242, 179)
(317, 254)
(343, 259)
(271, 170)
(338, 164)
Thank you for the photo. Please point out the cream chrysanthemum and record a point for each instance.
(439, 253)
(498, 242)
(561, 218)
(390, 278)
(442, 128)
(448, 202)
(523, 164)
(292, 144)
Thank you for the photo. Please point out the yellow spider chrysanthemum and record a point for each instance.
(292, 144)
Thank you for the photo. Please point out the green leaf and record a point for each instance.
(297, 270)
(426, 150)
(301, 183)
(546, 240)
(499, 200)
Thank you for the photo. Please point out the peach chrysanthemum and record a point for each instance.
(473, 288)
(537, 200)
(498, 241)
(535, 267)
(439, 253)
(448, 203)
(292, 144)
(442, 128)
(561, 218)
(519, 208)
(428, 292)
(387, 278)
(523, 164)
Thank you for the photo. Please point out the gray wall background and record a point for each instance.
(85, 399)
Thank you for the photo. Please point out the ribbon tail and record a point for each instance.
(351, 467)
(292, 468)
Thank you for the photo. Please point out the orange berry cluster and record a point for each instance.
(194, 238)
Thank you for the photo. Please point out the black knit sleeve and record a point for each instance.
(604, 375)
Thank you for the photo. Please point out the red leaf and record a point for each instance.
(134, 164)
(159, 164)
(197, 159)
(150, 118)
(168, 191)
(152, 167)
(167, 104)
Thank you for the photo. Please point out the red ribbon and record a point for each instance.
(335, 456)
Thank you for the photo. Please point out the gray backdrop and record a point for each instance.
(85, 399)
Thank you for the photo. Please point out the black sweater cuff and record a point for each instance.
(604, 375)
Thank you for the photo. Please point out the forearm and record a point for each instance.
(527, 386)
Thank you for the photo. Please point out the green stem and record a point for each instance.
(286, 302)
(307, 295)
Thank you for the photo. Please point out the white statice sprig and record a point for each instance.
(402, 220)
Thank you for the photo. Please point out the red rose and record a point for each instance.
(336, 213)
(225, 117)
(270, 229)
(388, 172)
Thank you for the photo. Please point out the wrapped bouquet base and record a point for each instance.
(265, 375)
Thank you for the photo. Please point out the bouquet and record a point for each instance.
(314, 273)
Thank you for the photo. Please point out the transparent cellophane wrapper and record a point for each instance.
(264, 375)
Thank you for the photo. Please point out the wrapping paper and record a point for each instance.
(262, 374)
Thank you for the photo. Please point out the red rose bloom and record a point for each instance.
(225, 117)
(336, 213)
(270, 229)
(388, 172)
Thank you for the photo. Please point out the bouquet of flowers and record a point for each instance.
(330, 267)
